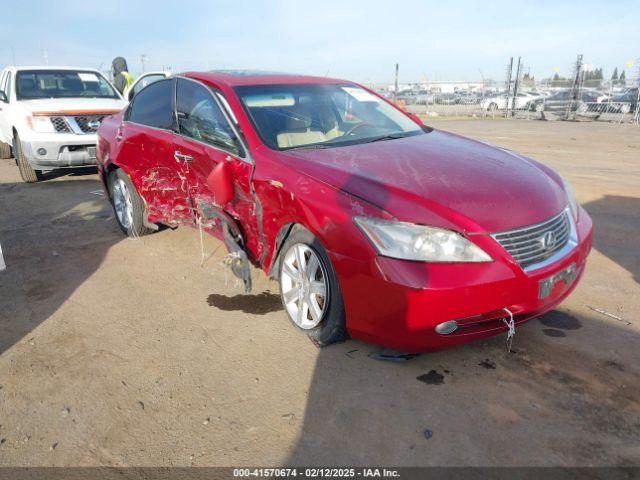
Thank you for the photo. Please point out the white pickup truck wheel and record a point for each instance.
(28, 174)
(5, 150)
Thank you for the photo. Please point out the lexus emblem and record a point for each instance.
(548, 240)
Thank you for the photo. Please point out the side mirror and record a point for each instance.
(3, 97)
(220, 182)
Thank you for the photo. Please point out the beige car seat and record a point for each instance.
(298, 129)
(302, 130)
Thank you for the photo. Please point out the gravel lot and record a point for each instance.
(126, 352)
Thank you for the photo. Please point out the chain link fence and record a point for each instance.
(579, 97)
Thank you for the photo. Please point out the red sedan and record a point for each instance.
(375, 225)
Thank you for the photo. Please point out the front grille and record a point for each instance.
(535, 243)
(60, 124)
(89, 123)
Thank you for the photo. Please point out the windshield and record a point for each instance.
(31, 84)
(321, 115)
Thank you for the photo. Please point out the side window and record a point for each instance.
(3, 81)
(7, 87)
(153, 106)
(200, 117)
(146, 81)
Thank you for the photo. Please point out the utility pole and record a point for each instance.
(509, 73)
(395, 90)
(143, 57)
(516, 84)
(575, 96)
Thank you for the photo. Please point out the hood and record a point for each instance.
(72, 106)
(119, 65)
(440, 179)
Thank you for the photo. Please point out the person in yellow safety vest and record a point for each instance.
(121, 77)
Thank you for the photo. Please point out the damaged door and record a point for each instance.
(147, 137)
(205, 139)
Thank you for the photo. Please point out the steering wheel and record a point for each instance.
(355, 127)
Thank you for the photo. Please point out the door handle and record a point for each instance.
(182, 156)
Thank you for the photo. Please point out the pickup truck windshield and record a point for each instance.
(322, 115)
(33, 84)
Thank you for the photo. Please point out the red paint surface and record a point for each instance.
(437, 179)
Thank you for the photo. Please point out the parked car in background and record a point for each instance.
(375, 225)
(142, 81)
(558, 102)
(49, 116)
(446, 98)
(629, 98)
(468, 98)
(425, 98)
(408, 97)
(499, 102)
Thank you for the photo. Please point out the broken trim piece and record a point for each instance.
(281, 237)
(237, 259)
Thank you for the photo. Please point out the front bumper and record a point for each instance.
(398, 303)
(60, 150)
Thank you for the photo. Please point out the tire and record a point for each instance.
(127, 205)
(5, 150)
(28, 174)
(331, 326)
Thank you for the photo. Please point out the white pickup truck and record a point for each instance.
(49, 116)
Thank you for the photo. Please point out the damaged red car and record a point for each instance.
(375, 225)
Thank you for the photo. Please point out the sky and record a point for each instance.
(357, 40)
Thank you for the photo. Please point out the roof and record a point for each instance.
(235, 78)
(49, 67)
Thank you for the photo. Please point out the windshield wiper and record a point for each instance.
(390, 136)
(315, 146)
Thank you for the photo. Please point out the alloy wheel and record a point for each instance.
(122, 203)
(304, 286)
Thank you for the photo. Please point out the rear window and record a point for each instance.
(34, 84)
(153, 106)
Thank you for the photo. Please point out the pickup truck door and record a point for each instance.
(141, 82)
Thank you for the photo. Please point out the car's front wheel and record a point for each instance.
(28, 174)
(127, 204)
(309, 289)
(5, 150)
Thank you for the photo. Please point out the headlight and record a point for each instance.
(571, 198)
(41, 124)
(408, 241)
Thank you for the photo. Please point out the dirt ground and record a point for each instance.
(128, 352)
